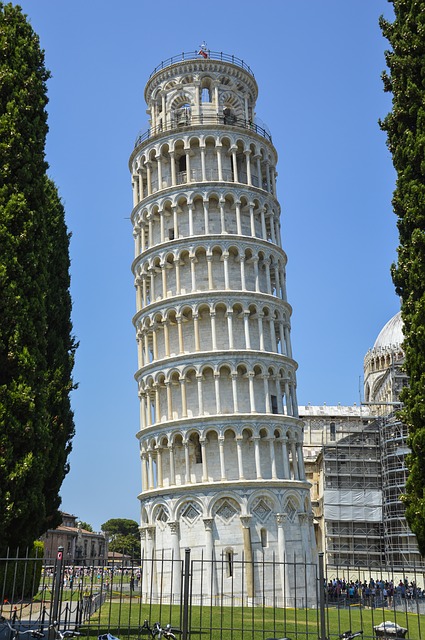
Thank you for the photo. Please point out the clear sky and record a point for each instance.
(318, 67)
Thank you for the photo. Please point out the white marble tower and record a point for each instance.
(220, 438)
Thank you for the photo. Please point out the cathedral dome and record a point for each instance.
(391, 335)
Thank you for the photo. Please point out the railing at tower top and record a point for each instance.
(206, 55)
(192, 120)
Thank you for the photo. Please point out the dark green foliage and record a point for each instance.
(124, 536)
(20, 579)
(36, 346)
(405, 127)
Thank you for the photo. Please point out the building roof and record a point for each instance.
(391, 335)
(333, 410)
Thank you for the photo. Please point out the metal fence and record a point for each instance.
(210, 599)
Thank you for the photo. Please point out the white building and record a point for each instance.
(220, 437)
(355, 459)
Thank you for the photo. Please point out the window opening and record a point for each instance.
(229, 563)
(274, 404)
(263, 536)
(206, 94)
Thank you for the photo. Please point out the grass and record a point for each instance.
(124, 620)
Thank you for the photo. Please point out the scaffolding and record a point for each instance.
(352, 497)
(401, 548)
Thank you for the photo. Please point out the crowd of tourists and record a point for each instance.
(369, 592)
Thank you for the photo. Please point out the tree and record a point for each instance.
(405, 127)
(123, 535)
(36, 345)
(85, 526)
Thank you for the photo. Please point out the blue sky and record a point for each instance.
(318, 67)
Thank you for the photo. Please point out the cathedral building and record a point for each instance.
(355, 459)
(221, 441)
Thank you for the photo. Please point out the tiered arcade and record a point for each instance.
(220, 438)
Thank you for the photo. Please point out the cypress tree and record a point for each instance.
(405, 128)
(36, 345)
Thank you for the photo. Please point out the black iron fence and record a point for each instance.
(224, 599)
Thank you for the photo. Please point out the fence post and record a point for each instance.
(57, 589)
(186, 583)
(322, 598)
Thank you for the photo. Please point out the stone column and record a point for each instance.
(206, 219)
(263, 224)
(303, 519)
(221, 453)
(162, 225)
(268, 408)
(196, 331)
(200, 394)
(152, 581)
(144, 459)
(243, 279)
(159, 168)
(247, 153)
(281, 544)
(172, 466)
(251, 376)
(256, 440)
(160, 476)
(248, 556)
(239, 441)
(292, 444)
(226, 269)
(238, 217)
(164, 280)
(175, 551)
(222, 217)
(273, 458)
(180, 333)
(252, 218)
(246, 329)
(150, 469)
(178, 283)
(203, 172)
(234, 164)
(219, 163)
(166, 337)
(211, 584)
(173, 169)
(169, 400)
(213, 331)
(234, 376)
(230, 327)
(149, 180)
(187, 462)
(183, 396)
(193, 272)
(300, 460)
(210, 274)
(217, 392)
(286, 469)
(190, 211)
(261, 330)
(204, 459)
(188, 172)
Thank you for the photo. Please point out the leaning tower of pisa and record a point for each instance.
(220, 438)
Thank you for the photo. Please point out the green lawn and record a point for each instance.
(124, 620)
